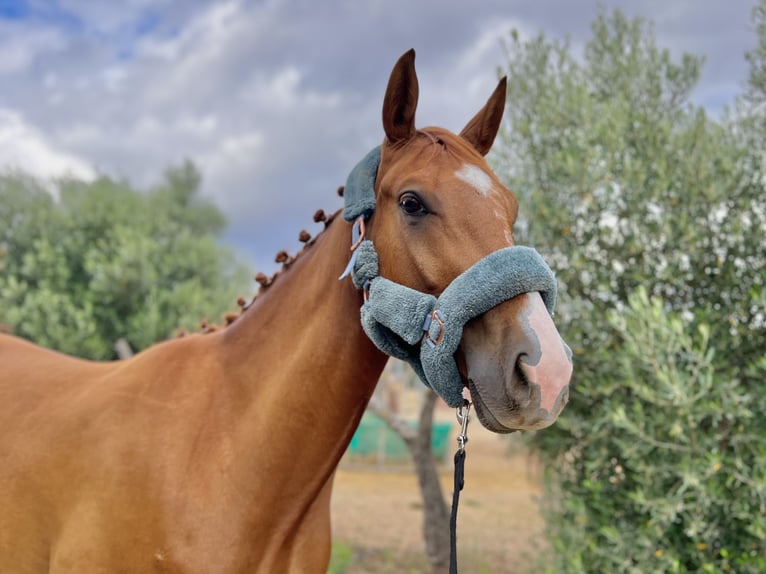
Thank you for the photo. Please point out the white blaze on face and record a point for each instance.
(477, 178)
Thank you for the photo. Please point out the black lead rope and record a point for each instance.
(459, 466)
(462, 417)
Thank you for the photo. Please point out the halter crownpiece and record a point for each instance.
(417, 327)
(359, 191)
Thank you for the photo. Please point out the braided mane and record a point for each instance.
(263, 280)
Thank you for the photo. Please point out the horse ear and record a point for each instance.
(401, 100)
(482, 129)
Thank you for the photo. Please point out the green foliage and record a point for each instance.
(653, 216)
(341, 558)
(103, 261)
(662, 476)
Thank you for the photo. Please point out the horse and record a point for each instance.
(215, 453)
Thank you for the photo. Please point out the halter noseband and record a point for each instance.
(417, 327)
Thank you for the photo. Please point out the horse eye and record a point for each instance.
(411, 204)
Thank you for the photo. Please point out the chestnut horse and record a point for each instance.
(215, 453)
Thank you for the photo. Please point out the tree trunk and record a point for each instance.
(122, 347)
(435, 511)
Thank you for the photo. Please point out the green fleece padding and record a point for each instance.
(394, 315)
(498, 277)
(359, 192)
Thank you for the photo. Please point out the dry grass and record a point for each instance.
(499, 525)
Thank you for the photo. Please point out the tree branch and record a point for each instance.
(394, 422)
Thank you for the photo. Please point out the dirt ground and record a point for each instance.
(500, 530)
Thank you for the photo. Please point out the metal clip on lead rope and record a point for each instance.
(463, 416)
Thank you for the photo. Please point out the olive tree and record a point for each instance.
(652, 213)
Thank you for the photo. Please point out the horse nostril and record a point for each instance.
(518, 387)
(520, 378)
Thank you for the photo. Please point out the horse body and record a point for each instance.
(215, 453)
(187, 457)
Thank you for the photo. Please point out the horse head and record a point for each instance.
(440, 209)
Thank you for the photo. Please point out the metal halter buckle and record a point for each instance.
(437, 316)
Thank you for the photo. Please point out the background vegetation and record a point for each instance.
(83, 264)
(653, 214)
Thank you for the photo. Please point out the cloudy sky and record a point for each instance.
(276, 100)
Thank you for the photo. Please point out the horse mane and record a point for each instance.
(443, 142)
(263, 280)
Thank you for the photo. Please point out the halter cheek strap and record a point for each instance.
(417, 327)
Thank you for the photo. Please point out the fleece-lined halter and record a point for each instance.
(417, 327)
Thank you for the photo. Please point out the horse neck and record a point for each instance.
(300, 359)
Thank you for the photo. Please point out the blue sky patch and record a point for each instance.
(13, 9)
(147, 23)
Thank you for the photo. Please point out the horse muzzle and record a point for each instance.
(517, 367)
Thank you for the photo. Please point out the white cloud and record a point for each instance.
(108, 18)
(114, 78)
(204, 34)
(487, 47)
(462, 88)
(199, 63)
(283, 92)
(25, 148)
(274, 99)
(21, 47)
(237, 158)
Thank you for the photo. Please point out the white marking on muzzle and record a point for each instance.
(553, 370)
(476, 178)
